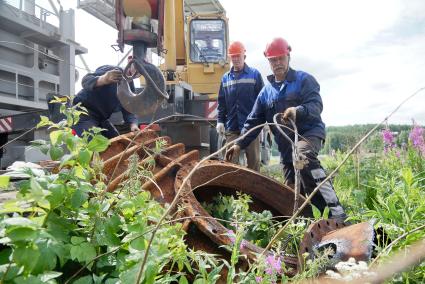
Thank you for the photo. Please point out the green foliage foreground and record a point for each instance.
(64, 228)
(388, 187)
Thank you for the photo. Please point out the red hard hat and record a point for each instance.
(277, 47)
(236, 48)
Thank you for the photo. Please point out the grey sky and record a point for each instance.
(367, 55)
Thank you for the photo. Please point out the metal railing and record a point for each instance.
(34, 12)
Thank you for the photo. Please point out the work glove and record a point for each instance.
(220, 128)
(134, 127)
(110, 77)
(289, 113)
(233, 152)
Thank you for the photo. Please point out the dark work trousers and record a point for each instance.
(88, 121)
(312, 175)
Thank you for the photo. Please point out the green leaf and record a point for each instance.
(42, 145)
(84, 280)
(12, 271)
(26, 256)
(215, 273)
(57, 195)
(81, 173)
(326, 213)
(4, 255)
(107, 231)
(129, 275)
(99, 143)
(4, 182)
(71, 142)
(49, 275)
(138, 243)
(84, 157)
(98, 279)
(31, 279)
(78, 198)
(19, 221)
(62, 252)
(56, 153)
(39, 194)
(150, 273)
(77, 240)
(67, 159)
(83, 252)
(316, 212)
(55, 136)
(183, 280)
(44, 121)
(17, 234)
(48, 259)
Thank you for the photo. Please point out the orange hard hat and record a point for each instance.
(236, 48)
(277, 47)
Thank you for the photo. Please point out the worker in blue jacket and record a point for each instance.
(296, 95)
(238, 91)
(99, 97)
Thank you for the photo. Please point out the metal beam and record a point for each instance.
(86, 66)
(54, 8)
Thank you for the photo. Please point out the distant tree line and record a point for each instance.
(343, 138)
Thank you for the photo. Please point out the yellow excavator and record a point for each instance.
(191, 37)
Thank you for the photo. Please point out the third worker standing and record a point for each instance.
(238, 91)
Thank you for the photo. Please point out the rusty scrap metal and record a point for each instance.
(345, 241)
(172, 166)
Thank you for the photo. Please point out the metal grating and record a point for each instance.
(103, 10)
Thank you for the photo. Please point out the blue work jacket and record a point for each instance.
(102, 101)
(237, 95)
(300, 90)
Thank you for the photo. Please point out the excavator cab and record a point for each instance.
(208, 41)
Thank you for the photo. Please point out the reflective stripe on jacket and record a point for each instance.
(237, 95)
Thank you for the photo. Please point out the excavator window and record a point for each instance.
(208, 40)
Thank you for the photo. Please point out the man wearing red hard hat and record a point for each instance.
(295, 94)
(238, 91)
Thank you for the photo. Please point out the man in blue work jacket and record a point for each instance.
(99, 97)
(238, 91)
(296, 95)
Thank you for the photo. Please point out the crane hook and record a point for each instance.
(153, 94)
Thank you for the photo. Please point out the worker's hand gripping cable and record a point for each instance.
(298, 161)
(153, 94)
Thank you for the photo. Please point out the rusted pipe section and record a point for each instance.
(173, 165)
(345, 241)
(214, 177)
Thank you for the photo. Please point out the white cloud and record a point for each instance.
(367, 55)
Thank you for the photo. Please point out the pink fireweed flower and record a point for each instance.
(231, 235)
(416, 136)
(243, 244)
(387, 137)
(274, 265)
(258, 279)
